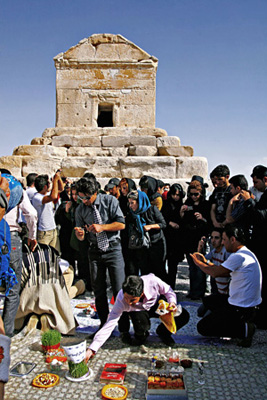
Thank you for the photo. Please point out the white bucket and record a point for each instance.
(76, 352)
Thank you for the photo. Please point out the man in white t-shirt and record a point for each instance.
(235, 318)
(43, 202)
(31, 189)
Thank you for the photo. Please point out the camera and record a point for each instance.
(189, 208)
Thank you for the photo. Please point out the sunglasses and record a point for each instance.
(84, 197)
(194, 194)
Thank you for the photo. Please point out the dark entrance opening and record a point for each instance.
(105, 115)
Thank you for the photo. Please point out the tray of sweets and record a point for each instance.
(167, 383)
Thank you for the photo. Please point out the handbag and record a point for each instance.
(136, 241)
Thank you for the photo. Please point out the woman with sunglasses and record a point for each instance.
(195, 215)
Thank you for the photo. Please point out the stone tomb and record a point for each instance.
(105, 119)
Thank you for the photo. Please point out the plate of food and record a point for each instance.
(45, 380)
(81, 379)
(83, 305)
(114, 392)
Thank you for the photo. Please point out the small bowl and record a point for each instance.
(104, 396)
(186, 363)
(159, 364)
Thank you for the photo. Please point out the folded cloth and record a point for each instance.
(5, 342)
(166, 315)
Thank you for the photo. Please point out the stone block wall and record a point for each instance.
(105, 70)
(106, 75)
(106, 155)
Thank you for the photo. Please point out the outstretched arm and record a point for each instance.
(209, 268)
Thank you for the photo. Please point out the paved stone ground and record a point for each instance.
(231, 373)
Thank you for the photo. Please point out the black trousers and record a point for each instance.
(151, 260)
(228, 321)
(100, 262)
(141, 321)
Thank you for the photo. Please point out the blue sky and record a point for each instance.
(211, 80)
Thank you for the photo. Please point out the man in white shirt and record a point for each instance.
(234, 319)
(31, 189)
(43, 203)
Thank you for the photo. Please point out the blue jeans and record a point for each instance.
(101, 262)
(12, 300)
(197, 279)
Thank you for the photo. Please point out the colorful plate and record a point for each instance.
(81, 379)
(107, 396)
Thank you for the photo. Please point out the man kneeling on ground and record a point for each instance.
(234, 319)
(139, 297)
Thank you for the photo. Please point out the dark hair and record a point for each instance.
(260, 171)
(5, 171)
(87, 186)
(219, 230)
(174, 188)
(133, 285)
(30, 178)
(232, 230)
(89, 175)
(98, 186)
(161, 184)
(40, 182)
(239, 180)
(220, 170)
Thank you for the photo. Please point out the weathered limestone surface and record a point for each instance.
(98, 151)
(105, 70)
(128, 141)
(176, 151)
(143, 151)
(40, 165)
(40, 151)
(168, 141)
(132, 167)
(12, 163)
(70, 131)
(101, 166)
(189, 166)
(105, 119)
(41, 141)
(72, 141)
(135, 167)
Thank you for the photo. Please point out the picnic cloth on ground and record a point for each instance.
(43, 290)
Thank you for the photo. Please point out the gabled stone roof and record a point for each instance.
(104, 48)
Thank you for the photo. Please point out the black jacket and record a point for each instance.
(151, 216)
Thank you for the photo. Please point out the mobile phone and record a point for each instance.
(190, 208)
(22, 368)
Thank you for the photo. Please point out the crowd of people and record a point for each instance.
(132, 237)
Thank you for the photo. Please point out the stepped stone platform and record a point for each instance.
(105, 119)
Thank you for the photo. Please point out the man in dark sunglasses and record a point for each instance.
(99, 220)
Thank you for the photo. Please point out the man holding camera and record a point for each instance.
(42, 201)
